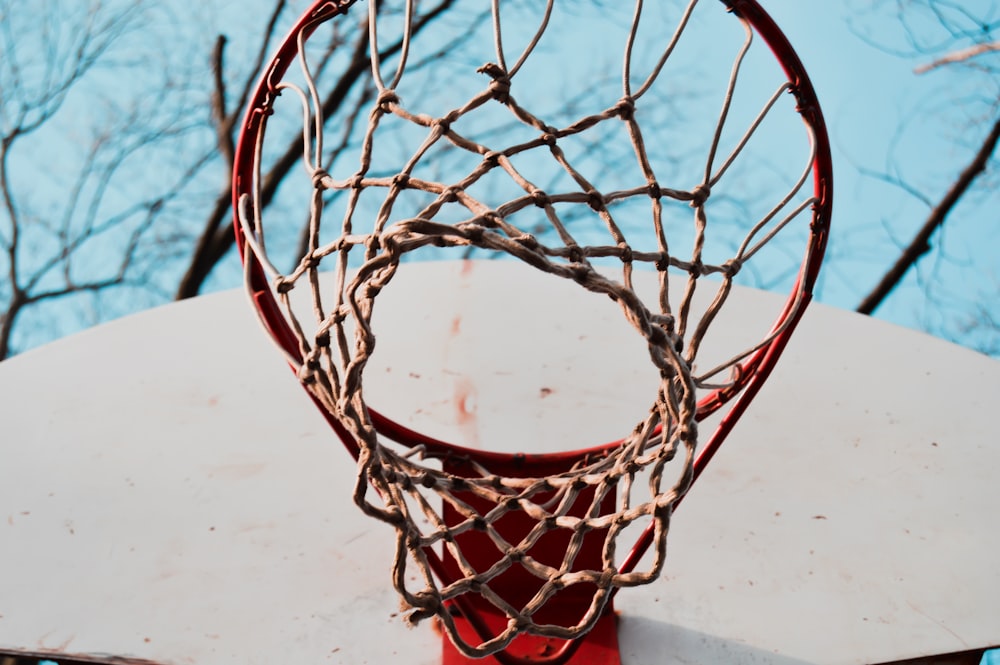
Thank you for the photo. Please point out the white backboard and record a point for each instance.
(168, 492)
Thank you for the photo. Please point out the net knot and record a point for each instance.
(699, 195)
(664, 321)
(385, 100)
(529, 241)
(306, 374)
(492, 158)
(654, 191)
(311, 261)
(282, 285)
(732, 267)
(607, 578)
(540, 198)
(318, 176)
(595, 200)
(443, 124)
(624, 109)
(521, 622)
(500, 85)
(473, 233)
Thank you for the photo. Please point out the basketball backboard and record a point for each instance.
(170, 494)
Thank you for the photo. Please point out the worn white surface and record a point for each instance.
(167, 491)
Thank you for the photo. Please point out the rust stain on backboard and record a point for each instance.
(465, 410)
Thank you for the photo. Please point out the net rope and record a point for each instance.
(651, 469)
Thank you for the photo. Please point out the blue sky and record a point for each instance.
(874, 106)
(884, 117)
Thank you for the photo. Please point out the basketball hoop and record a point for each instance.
(520, 555)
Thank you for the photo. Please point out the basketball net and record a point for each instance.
(538, 545)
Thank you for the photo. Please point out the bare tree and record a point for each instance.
(921, 243)
(956, 42)
(61, 203)
(341, 104)
(135, 208)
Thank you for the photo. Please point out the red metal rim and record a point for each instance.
(754, 370)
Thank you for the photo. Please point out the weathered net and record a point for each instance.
(494, 172)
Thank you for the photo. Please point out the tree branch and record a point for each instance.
(223, 124)
(920, 244)
(960, 55)
(217, 238)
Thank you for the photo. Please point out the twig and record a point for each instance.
(920, 244)
(959, 56)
